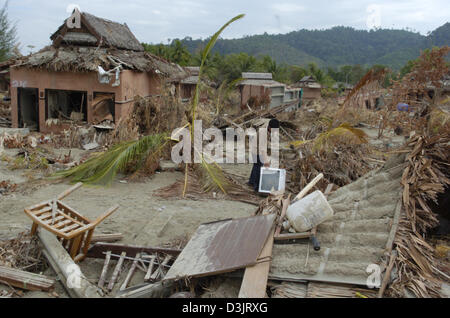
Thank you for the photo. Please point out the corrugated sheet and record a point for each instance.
(261, 82)
(259, 76)
(190, 80)
(222, 246)
(356, 236)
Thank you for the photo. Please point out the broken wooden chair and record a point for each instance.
(72, 229)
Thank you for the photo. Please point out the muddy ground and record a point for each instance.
(143, 218)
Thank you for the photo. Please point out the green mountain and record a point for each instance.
(333, 47)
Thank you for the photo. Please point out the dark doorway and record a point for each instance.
(28, 108)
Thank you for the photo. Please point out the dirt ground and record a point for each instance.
(143, 218)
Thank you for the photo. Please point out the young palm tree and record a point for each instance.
(102, 169)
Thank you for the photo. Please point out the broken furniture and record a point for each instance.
(72, 229)
(154, 262)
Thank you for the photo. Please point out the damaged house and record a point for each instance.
(311, 89)
(259, 89)
(90, 73)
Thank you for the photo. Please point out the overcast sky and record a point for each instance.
(156, 21)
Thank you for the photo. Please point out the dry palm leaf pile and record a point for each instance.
(22, 253)
(339, 153)
(426, 175)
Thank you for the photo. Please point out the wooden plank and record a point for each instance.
(69, 228)
(254, 282)
(74, 214)
(255, 278)
(25, 280)
(57, 219)
(286, 203)
(116, 272)
(98, 250)
(69, 191)
(75, 247)
(101, 281)
(292, 236)
(308, 187)
(107, 237)
(62, 224)
(75, 283)
(32, 208)
(157, 290)
(39, 212)
(159, 271)
(150, 269)
(130, 272)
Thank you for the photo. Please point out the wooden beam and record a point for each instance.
(69, 273)
(25, 280)
(254, 283)
(107, 237)
(255, 278)
(130, 272)
(116, 272)
(98, 250)
(150, 269)
(101, 281)
(292, 236)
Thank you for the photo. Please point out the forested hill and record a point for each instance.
(334, 47)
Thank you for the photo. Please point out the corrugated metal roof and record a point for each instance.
(190, 80)
(255, 82)
(222, 246)
(258, 76)
(356, 236)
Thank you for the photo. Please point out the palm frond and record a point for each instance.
(213, 178)
(102, 168)
(298, 143)
(343, 133)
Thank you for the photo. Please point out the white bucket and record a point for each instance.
(309, 212)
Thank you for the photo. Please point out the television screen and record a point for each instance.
(272, 179)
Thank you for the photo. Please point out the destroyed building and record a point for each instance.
(310, 87)
(89, 73)
(259, 89)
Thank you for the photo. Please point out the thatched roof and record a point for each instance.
(97, 31)
(87, 59)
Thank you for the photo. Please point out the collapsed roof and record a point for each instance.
(98, 42)
(87, 59)
(97, 31)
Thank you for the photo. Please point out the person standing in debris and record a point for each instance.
(261, 160)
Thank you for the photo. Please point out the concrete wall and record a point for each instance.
(248, 91)
(131, 84)
(311, 93)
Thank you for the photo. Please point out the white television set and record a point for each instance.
(272, 179)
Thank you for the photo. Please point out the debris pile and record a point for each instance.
(5, 114)
(6, 187)
(426, 175)
(22, 252)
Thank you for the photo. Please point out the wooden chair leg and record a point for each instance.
(87, 241)
(75, 246)
(34, 228)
